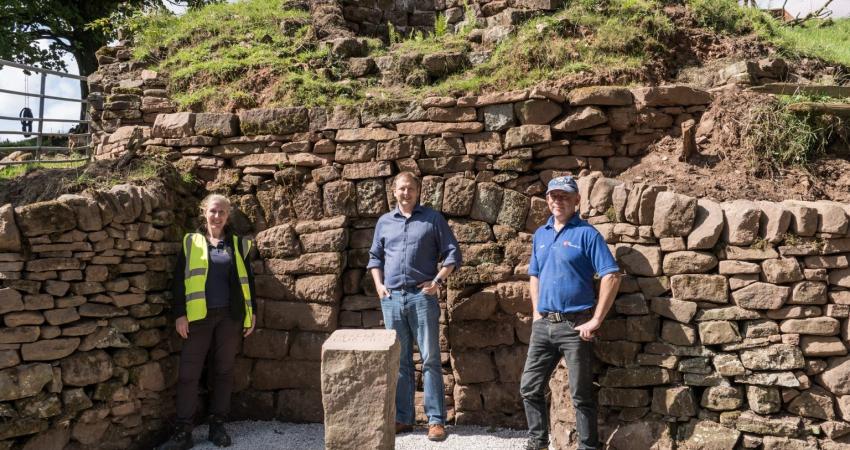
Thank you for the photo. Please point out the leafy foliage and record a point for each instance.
(78, 27)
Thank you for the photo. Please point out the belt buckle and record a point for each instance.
(555, 317)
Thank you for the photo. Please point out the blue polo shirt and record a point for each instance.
(565, 263)
(408, 249)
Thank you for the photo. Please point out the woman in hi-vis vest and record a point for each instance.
(214, 309)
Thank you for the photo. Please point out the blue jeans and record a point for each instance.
(549, 342)
(416, 317)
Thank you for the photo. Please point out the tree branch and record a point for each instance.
(820, 13)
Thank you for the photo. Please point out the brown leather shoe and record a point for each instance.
(436, 432)
(403, 428)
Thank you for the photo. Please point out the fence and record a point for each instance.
(39, 147)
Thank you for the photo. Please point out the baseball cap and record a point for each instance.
(565, 183)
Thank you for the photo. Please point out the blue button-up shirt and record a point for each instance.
(565, 262)
(408, 249)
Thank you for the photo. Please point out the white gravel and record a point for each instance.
(255, 435)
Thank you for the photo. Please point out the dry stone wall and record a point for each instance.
(85, 359)
(370, 18)
(731, 321)
(731, 325)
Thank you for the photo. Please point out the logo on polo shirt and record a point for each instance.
(570, 244)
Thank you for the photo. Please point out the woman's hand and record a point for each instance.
(182, 326)
(248, 331)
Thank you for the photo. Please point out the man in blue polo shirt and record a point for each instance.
(408, 243)
(567, 252)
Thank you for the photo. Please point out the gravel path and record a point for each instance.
(251, 435)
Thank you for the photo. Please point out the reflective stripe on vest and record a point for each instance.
(195, 278)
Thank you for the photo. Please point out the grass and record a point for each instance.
(254, 53)
(781, 139)
(828, 40)
(226, 55)
(18, 170)
(609, 35)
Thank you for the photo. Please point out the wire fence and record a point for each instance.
(77, 143)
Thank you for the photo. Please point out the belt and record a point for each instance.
(556, 317)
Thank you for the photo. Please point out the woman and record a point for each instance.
(214, 306)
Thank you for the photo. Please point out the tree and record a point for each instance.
(66, 26)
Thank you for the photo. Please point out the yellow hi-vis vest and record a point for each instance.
(195, 280)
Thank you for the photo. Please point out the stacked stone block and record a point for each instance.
(83, 280)
(122, 93)
(370, 18)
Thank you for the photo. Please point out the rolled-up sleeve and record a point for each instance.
(603, 261)
(447, 243)
(376, 251)
(533, 266)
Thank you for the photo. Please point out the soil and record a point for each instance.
(725, 167)
(48, 184)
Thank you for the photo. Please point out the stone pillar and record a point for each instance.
(359, 376)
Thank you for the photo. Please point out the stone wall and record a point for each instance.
(732, 320)
(85, 359)
(370, 18)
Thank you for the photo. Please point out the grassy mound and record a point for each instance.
(261, 52)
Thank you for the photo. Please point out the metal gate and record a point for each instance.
(39, 147)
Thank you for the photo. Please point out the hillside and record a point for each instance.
(258, 53)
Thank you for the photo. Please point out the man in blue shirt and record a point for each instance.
(409, 241)
(567, 252)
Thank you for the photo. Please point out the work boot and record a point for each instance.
(180, 440)
(218, 435)
(436, 432)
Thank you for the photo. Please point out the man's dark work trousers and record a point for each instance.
(549, 342)
(219, 331)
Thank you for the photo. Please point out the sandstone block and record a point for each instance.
(708, 225)
(779, 426)
(274, 121)
(780, 271)
(373, 358)
(10, 236)
(764, 399)
(601, 95)
(639, 259)
(674, 214)
(670, 96)
(761, 296)
(742, 222)
(773, 357)
(525, 135)
(709, 288)
(822, 346)
(174, 126)
(718, 332)
(487, 202)
(217, 124)
(458, 196)
(580, 119)
(24, 381)
(676, 263)
(49, 350)
(722, 398)
(818, 326)
(673, 401)
(836, 376)
(45, 217)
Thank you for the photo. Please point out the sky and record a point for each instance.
(10, 78)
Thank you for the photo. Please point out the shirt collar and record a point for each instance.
(574, 220)
(416, 209)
